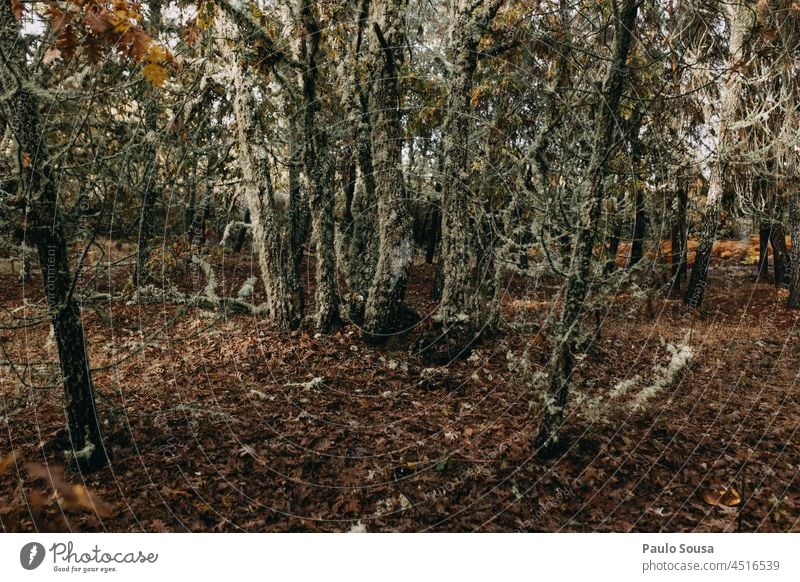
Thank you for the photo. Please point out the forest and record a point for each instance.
(399, 265)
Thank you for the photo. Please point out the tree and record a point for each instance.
(358, 248)
(318, 166)
(272, 242)
(385, 308)
(44, 227)
(740, 18)
(591, 199)
(149, 186)
(794, 275)
(458, 309)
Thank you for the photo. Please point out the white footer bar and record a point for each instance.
(400, 557)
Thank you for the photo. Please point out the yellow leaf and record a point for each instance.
(476, 96)
(719, 495)
(121, 25)
(156, 54)
(155, 74)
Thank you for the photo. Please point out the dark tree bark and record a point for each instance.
(21, 108)
(612, 249)
(763, 250)
(201, 213)
(639, 229)
(433, 232)
(591, 199)
(794, 263)
(150, 188)
(678, 250)
(640, 211)
(780, 254)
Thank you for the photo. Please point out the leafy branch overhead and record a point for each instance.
(93, 30)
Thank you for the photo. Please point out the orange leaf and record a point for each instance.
(67, 42)
(5, 463)
(56, 17)
(719, 495)
(70, 496)
(98, 22)
(18, 8)
(155, 73)
(81, 498)
(191, 33)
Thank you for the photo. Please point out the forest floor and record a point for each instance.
(217, 423)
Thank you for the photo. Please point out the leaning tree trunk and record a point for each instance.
(272, 245)
(458, 308)
(794, 263)
(385, 308)
(740, 23)
(21, 109)
(563, 360)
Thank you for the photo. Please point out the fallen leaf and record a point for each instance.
(719, 495)
(5, 463)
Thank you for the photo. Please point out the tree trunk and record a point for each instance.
(458, 308)
(794, 263)
(385, 308)
(241, 232)
(197, 227)
(319, 171)
(21, 109)
(150, 190)
(359, 247)
(640, 211)
(678, 250)
(639, 228)
(612, 249)
(763, 250)
(299, 208)
(780, 254)
(432, 232)
(271, 242)
(741, 17)
(590, 211)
